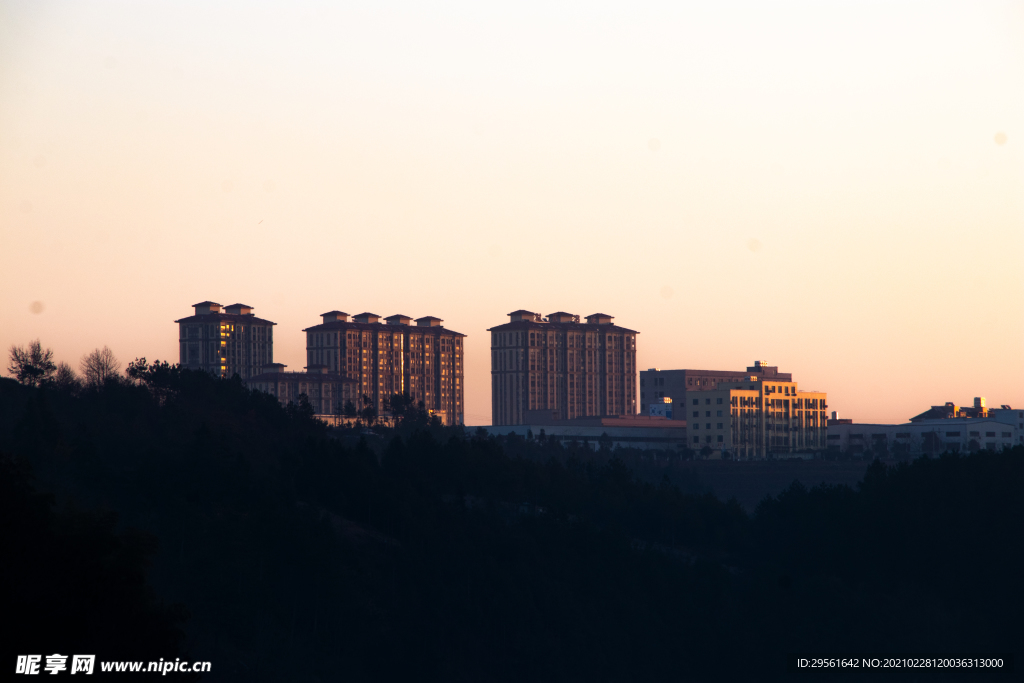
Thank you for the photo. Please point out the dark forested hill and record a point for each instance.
(282, 550)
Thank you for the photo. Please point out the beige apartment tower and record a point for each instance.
(423, 360)
(562, 366)
(225, 342)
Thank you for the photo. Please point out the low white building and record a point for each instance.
(923, 437)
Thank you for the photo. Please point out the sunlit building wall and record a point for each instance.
(657, 385)
(756, 418)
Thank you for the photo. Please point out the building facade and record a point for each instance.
(756, 418)
(561, 365)
(225, 342)
(657, 385)
(425, 360)
(647, 433)
(327, 392)
(940, 429)
(922, 437)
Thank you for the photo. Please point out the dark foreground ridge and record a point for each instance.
(217, 525)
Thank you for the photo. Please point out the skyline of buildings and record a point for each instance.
(559, 371)
(739, 190)
(359, 360)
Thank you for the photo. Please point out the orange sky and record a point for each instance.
(834, 187)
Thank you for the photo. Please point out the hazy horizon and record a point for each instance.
(835, 188)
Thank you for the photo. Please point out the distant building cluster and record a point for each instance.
(570, 379)
(355, 363)
(557, 374)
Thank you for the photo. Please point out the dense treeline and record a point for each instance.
(304, 553)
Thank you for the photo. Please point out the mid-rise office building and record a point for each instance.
(225, 342)
(567, 368)
(424, 360)
(756, 418)
(656, 385)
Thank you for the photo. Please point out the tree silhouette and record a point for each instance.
(431, 553)
(73, 583)
(100, 366)
(369, 411)
(31, 365)
(66, 379)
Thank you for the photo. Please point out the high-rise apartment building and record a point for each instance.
(225, 342)
(424, 360)
(656, 385)
(561, 366)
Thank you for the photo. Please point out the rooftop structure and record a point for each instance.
(950, 410)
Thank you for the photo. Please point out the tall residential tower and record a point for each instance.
(562, 366)
(225, 343)
(424, 360)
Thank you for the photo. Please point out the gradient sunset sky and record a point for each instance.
(834, 187)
